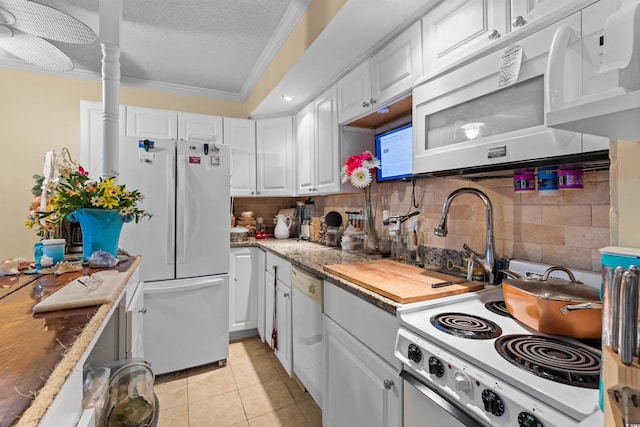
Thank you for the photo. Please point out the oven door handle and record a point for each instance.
(442, 402)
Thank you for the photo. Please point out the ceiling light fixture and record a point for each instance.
(287, 98)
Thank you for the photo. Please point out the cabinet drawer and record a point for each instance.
(284, 268)
(373, 326)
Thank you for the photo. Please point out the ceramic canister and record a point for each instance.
(569, 177)
(548, 181)
(523, 180)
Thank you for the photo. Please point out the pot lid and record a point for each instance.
(552, 288)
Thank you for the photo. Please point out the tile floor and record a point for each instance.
(252, 390)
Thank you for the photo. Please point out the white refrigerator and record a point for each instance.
(184, 248)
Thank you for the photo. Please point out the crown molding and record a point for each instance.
(288, 22)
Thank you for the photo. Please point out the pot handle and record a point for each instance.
(511, 274)
(572, 278)
(566, 309)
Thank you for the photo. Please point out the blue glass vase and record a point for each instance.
(100, 230)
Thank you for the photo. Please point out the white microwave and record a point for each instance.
(464, 121)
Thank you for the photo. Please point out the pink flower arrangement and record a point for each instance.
(359, 169)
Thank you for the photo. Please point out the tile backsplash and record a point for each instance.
(564, 229)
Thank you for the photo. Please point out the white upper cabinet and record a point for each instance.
(193, 126)
(525, 12)
(240, 135)
(327, 143)
(318, 146)
(396, 66)
(386, 76)
(274, 157)
(354, 93)
(168, 124)
(305, 150)
(91, 137)
(152, 123)
(456, 28)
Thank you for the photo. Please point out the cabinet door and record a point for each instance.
(242, 290)
(525, 12)
(199, 127)
(284, 351)
(240, 136)
(305, 151)
(327, 143)
(457, 28)
(91, 136)
(274, 146)
(360, 388)
(354, 93)
(259, 262)
(152, 123)
(136, 311)
(396, 67)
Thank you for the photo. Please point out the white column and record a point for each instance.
(110, 34)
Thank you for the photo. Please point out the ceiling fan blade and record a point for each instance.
(47, 22)
(36, 51)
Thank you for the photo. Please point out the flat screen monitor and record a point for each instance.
(394, 148)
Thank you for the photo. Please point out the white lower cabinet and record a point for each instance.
(361, 389)
(245, 273)
(278, 308)
(362, 375)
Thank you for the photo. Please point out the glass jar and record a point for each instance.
(131, 398)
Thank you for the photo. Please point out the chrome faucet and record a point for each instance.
(488, 261)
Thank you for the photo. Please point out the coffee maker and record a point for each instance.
(304, 211)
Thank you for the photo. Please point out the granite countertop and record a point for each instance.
(313, 256)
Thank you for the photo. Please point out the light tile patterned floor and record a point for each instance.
(252, 390)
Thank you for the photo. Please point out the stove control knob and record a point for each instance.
(526, 419)
(462, 382)
(492, 403)
(414, 353)
(436, 367)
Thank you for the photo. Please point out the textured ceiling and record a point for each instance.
(220, 48)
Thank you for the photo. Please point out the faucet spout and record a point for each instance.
(488, 261)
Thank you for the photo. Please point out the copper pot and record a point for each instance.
(554, 306)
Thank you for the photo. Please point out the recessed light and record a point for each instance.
(383, 110)
(287, 98)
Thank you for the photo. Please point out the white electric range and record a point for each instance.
(467, 362)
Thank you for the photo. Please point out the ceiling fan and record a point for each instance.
(24, 25)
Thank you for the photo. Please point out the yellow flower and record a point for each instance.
(110, 202)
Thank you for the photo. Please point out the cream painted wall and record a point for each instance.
(39, 112)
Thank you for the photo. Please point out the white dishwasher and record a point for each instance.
(308, 361)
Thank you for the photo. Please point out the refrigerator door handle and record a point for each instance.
(171, 237)
(182, 287)
(182, 223)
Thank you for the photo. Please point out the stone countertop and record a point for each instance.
(313, 256)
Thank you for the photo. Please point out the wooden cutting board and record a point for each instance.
(400, 282)
(74, 294)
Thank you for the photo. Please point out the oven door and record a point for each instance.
(424, 407)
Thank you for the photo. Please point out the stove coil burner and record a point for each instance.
(466, 326)
(498, 307)
(556, 360)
